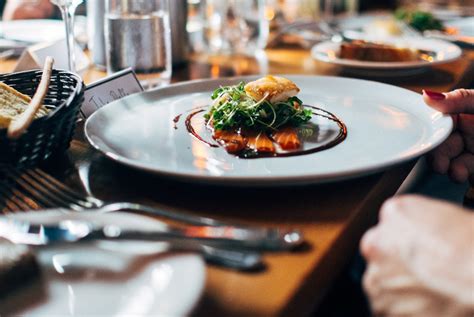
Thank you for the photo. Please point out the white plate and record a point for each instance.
(464, 36)
(445, 52)
(363, 25)
(451, 12)
(386, 125)
(464, 25)
(38, 30)
(359, 22)
(112, 278)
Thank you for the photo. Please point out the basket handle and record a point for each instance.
(18, 126)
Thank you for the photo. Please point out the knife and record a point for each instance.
(37, 235)
(45, 227)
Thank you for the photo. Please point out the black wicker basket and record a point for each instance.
(50, 134)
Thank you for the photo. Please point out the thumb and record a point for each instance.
(457, 101)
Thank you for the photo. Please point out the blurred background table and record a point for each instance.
(299, 61)
(333, 216)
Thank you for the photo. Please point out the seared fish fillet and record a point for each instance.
(274, 88)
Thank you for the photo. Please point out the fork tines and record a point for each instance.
(34, 189)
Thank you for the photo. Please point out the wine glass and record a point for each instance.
(68, 9)
(328, 10)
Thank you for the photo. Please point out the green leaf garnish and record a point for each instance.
(419, 20)
(233, 109)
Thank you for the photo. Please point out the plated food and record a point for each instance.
(402, 55)
(380, 52)
(409, 23)
(263, 118)
(386, 125)
(421, 20)
(402, 22)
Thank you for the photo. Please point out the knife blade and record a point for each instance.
(21, 232)
(57, 226)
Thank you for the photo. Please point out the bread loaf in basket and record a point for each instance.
(51, 132)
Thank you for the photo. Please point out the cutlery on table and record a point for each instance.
(49, 192)
(51, 227)
(33, 189)
(62, 225)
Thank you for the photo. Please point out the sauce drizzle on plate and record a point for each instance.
(307, 132)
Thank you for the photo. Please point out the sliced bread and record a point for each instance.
(13, 103)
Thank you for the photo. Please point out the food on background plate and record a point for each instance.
(13, 103)
(419, 20)
(383, 27)
(406, 22)
(377, 52)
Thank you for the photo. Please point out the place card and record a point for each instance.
(34, 56)
(108, 89)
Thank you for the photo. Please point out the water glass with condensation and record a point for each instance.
(137, 35)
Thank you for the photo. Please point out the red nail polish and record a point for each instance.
(434, 95)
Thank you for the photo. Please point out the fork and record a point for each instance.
(49, 192)
(16, 200)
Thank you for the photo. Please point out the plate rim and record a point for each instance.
(258, 181)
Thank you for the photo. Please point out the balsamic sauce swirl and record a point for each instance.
(250, 154)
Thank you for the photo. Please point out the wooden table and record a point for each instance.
(333, 217)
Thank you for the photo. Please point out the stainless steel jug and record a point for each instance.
(179, 35)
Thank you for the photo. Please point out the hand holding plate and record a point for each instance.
(454, 156)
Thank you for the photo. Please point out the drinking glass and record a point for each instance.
(344, 8)
(235, 26)
(68, 9)
(137, 35)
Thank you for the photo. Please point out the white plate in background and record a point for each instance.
(364, 25)
(444, 52)
(39, 30)
(386, 125)
(464, 25)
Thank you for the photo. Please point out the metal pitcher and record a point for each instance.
(179, 35)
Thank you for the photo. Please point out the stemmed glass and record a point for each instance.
(328, 10)
(68, 9)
